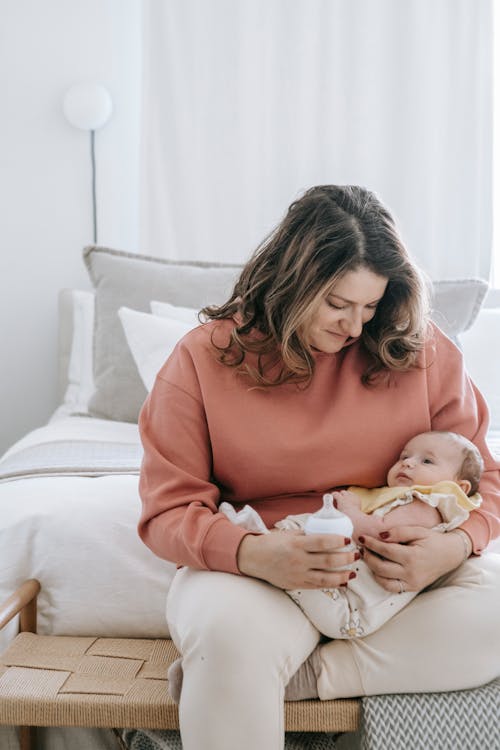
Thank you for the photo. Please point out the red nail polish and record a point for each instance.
(384, 535)
(357, 556)
(347, 540)
(343, 584)
(352, 575)
(362, 539)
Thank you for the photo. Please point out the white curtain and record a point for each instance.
(249, 102)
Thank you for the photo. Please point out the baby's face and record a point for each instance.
(426, 459)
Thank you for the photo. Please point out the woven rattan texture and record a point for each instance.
(108, 682)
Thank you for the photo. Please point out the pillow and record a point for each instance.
(166, 310)
(124, 279)
(456, 303)
(151, 339)
(481, 345)
(76, 327)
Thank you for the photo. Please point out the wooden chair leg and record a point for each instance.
(27, 738)
(23, 603)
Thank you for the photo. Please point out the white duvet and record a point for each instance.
(77, 535)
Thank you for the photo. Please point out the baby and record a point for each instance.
(419, 485)
(433, 484)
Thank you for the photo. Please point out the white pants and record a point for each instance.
(242, 639)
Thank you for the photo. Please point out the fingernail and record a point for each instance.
(362, 539)
(347, 540)
(384, 535)
(361, 552)
(357, 555)
(352, 575)
(343, 584)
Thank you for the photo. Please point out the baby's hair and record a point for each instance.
(472, 464)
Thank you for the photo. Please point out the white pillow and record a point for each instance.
(79, 375)
(166, 310)
(151, 339)
(481, 347)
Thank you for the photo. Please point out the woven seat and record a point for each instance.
(67, 681)
(117, 682)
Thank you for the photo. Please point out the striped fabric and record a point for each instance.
(458, 720)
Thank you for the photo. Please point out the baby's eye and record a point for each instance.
(427, 461)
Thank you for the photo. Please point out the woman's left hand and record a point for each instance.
(409, 558)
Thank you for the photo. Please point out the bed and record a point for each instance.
(69, 489)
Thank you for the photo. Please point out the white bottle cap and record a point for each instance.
(329, 520)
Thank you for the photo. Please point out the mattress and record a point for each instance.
(69, 510)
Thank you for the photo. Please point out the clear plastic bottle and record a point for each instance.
(329, 520)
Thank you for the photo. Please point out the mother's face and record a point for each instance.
(344, 309)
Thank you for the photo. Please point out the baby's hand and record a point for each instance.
(350, 504)
(346, 501)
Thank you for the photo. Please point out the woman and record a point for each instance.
(310, 377)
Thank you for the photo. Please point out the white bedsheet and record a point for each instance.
(78, 536)
(78, 428)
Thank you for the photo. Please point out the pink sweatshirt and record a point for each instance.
(208, 436)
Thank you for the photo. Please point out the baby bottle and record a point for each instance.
(329, 520)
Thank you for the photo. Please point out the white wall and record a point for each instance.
(45, 197)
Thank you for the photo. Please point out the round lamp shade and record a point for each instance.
(87, 106)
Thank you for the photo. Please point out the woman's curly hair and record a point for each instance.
(328, 232)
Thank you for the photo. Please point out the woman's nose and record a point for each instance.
(353, 324)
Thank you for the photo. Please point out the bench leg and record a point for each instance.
(27, 738)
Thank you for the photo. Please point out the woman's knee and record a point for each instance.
(219, 608)
(478, 574)
(212, 593)
(235, 618)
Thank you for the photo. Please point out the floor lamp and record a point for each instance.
(88, 106)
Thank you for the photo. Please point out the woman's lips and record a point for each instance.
(338, 335)
(343, 336)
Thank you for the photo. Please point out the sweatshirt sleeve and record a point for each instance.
(180, 521)
(457, 405)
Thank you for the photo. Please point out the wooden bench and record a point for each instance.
(109, 682)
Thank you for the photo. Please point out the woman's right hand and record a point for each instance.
(293, 560)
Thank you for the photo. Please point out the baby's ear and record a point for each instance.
(464, 485)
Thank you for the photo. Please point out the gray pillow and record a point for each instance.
(456, 303)
(133, 280)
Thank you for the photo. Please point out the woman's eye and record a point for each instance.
(333, 305)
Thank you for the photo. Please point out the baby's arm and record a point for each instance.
(416, 513)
